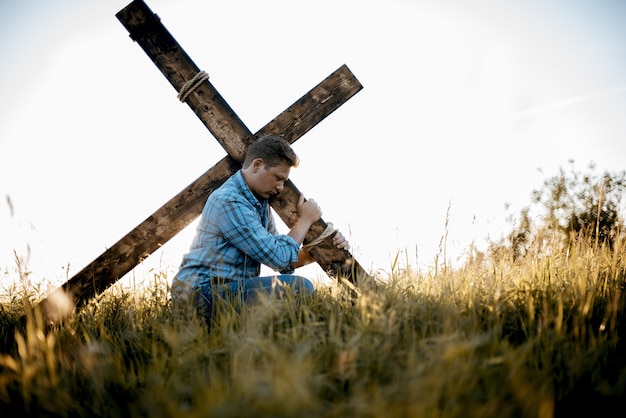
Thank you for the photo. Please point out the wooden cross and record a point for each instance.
(146, 29)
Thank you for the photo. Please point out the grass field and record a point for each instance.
(542, 336)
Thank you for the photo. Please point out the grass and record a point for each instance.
(538, 337)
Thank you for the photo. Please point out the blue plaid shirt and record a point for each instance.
(236, 234)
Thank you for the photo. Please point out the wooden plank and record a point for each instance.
(146, 29)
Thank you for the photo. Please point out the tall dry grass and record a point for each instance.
(541, 336)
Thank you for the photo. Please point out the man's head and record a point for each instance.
(273, 150)
(267, 165)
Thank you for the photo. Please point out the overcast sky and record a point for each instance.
(466, 108)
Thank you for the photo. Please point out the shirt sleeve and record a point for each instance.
(271, 227)
(241, 225)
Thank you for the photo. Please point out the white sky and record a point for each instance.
(463, 103)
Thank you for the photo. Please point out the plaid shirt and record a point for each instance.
(236, 234)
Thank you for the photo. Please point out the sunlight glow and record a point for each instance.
(461, 105)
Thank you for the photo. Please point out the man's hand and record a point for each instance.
(340, 241)
(308, 211)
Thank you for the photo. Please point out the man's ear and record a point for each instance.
(257, 164)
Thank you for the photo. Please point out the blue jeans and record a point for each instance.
(246, 290)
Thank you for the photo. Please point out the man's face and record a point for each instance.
(269, 181)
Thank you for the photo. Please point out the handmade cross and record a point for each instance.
(194, 88)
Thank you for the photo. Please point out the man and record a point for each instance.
(237, 233)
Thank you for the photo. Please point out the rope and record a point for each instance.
(191, 85)
(327, 233)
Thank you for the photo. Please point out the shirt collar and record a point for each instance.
(245, 190)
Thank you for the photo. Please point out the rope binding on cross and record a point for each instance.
(330, 229)
(191, 85)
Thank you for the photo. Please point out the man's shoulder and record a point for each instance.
(231, 190)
